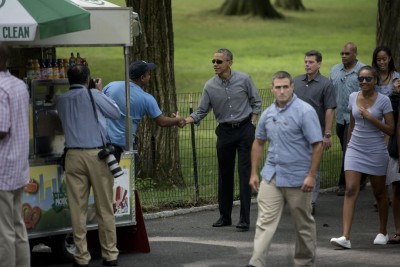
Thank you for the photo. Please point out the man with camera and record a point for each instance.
(88, 163)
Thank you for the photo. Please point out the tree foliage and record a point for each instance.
(158, 147)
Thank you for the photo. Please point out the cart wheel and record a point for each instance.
(64, 247)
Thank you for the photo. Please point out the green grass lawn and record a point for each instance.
(260, 47)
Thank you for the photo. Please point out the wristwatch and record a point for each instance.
(327, 135)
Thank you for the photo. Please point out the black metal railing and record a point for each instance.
(199, 163)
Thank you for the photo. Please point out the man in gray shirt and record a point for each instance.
(236, 104)
(317, 90)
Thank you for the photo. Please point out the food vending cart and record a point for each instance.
(100, 23)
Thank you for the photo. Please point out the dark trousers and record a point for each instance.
(341, 132)
(229, 141)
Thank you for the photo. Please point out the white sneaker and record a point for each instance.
(381, 239)
(341, 242)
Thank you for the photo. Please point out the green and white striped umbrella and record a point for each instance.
(22, 20)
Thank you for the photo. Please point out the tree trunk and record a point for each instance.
(158, 147)
(290, 4)
(261, 8)
(388, 27)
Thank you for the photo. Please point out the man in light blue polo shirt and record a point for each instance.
(344, 80)
(292, 128)
(141, 104)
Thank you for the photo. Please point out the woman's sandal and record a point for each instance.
(395, 239)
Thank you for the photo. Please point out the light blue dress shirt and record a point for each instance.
(290, 132)
(80, 126)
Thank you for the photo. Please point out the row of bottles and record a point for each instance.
(78, 60)
(46, 69)
(49, 69)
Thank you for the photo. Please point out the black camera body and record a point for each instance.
(92, 83)
(109, 149)
(107, 155)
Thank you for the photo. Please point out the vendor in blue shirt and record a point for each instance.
(141, 104)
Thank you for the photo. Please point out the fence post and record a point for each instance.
(195, 173)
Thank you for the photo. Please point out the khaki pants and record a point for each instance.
(84, 170)
(271, 201)
(14, 245)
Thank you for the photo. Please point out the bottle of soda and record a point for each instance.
(43, 70)
(50, 74)
(84, 62)
(56, 72)
(29, 69)
(66, 66)
(36, 69)
(78, 59)
(72, 60)
(61, 71)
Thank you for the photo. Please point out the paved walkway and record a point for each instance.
(188, 240)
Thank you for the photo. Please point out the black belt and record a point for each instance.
(82, 148)
(236, 124)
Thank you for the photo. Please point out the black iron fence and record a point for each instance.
(199, 163)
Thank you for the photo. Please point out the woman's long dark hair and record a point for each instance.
(391, 66)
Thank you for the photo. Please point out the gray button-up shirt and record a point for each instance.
(232, 100)
(345, 83)
(319, 93)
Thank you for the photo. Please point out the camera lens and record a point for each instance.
(114, 166)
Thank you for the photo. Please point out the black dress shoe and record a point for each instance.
(221, 222)
(110, 263)
(75, 264)
(242, 226)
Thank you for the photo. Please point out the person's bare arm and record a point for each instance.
(175, 120)
(256, 157)
(309, 181)
(254, 118)
(350, 129)
(327, 141)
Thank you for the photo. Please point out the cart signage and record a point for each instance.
(16, 23)
(45, 203)
(22, 20)
(16, 33)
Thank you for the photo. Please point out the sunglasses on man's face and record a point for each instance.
(345, 53)
(217, 61)
(367, 78)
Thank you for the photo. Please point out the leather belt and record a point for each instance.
(236, 124)
(85, 148)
